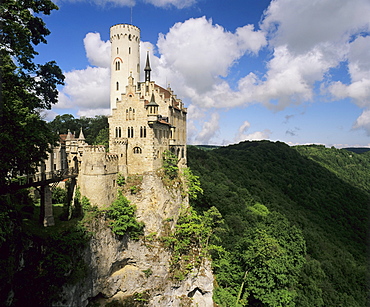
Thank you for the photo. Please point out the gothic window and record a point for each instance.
(129, 113)
(141, 132)
(132, 132)
(118, 65)
(119, 132)
(128, 132)
(129, 50)
(137, 150)
(144, 131)
(116, 132)
(117, 86)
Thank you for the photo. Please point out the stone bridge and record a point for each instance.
(45, 182)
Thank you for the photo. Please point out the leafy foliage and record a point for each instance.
(170, 164)
(26, 87)
(192, 239)
(59, 195)
(296, 221)
(192, 183)
(96, 130)
(122, 215)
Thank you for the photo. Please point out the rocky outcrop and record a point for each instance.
(138, 271)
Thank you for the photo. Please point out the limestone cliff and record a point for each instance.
(137, 273)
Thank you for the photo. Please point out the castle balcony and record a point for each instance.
(152, 119)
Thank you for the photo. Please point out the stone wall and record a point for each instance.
(98, 176)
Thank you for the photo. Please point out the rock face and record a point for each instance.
(138, 271)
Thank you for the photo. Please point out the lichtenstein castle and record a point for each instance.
(146, 120)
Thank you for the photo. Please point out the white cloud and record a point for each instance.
(255, 136)
(198, 52)
(94, 112)
(363, 121)
(87, 89)
(307, 23)
(359, 88)
(180, 4)
(97, 51)
(209, 130)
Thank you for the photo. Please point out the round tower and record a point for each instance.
(125, 59)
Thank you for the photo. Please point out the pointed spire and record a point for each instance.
(81, 137)
(152, 101)
(147, 68)
(69, 135)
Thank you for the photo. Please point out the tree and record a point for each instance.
(26, 87)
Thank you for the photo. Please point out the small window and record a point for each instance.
(117, 50)
(117, 86)
(129, 50)
(137, 150)
(118, 65)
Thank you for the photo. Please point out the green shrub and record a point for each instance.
(59, 195)
(123, 220)
(170, 164)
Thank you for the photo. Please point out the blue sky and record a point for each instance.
(286, 70)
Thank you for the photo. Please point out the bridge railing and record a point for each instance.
(43, 176)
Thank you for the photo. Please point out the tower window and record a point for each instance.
(117, 86)
(117, 50)
(137, 150)
(118, 65)
(130, 132)
(129, 50)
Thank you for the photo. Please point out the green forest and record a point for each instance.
(295, 223)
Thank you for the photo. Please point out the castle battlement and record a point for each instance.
(94, 148)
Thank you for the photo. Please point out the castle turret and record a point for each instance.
(125, 59)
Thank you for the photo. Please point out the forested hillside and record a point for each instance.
(296, 221)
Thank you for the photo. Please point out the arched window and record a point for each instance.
(141, 132)
(129, 113)
(118, 65)
(128, 132)
(129, 50)
(117, 86)
(116, 132)
(132, 132)
(119, 132)
(117, 50)
(144, 131)
(137, 150)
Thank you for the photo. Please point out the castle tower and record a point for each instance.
(125, 59)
